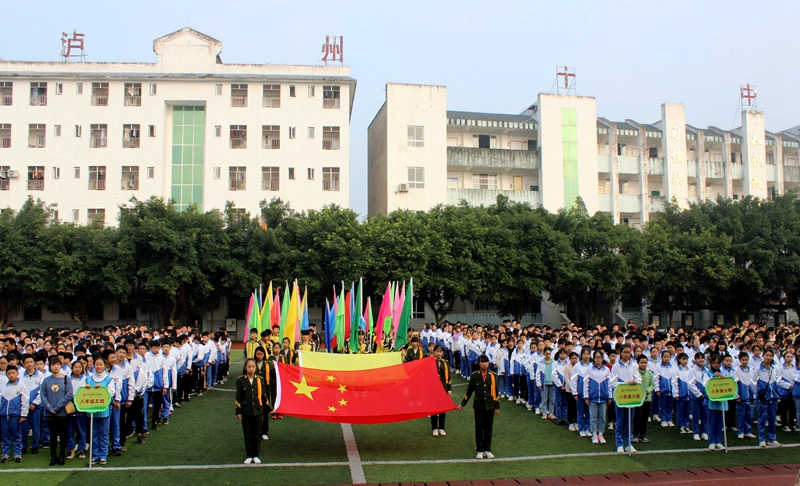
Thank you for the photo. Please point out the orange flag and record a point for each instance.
(380, 395)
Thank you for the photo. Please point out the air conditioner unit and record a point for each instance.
(403, 187)
(13, 174)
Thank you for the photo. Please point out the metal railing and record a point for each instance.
(100, 100)
(39, 100)
(130, 143)
(97, 184)
(237, 185)
(332, 144)
(271, 143)
(270, 185)
(133, 101)
(7, 100)
(238, 101)
(98, 142)
(35, 185)
(238, 143)
(330, 103)
(272, 102)
(330, 185)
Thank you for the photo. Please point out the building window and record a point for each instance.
(56, 172)
(5, 135)
(311, 173)
(97, 177)
(54, 217)
(99, 135)
(238, 95)
(292, 132)
(78, 131)
(133, 94)
(291, 173)
(652, 152)
(38, 94)
(484, 181)
(130, 177)
(79, 88)
(271, 137)
(96, 217)
(153, 89)
(272, 95)
(56, 130)
(237, 177)
(270, 179)
(218, 131)
(59, 89)
(330, 138)
(216, 172)
(416, 136)
(36, 178)
(151, 130)
(130, 136)
(237, 214)
(330, 178)
(330, 97)
(99, 94)
(292, 91)
(76, 216)
(76, 172)
(5, 183)
(151, 172)
(6, 93)
(36, 135)
(218, 89)
(238, 136)
(311, 133)
(311, 91)
(416, 177)
(418, 308)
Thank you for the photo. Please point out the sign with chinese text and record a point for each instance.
(721, 389)
(333, 47)
(92, 400)
(629, 396)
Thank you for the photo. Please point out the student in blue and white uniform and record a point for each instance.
(100, 420)
(784, 389)
(562, 395)
(715, 409)
(682, 398)
(664, 388)
(76, 429)
(767, 377)
(577, 382)
(746, 384)
(697, 396)
(597, 396)
(14, 411)
(625, 370)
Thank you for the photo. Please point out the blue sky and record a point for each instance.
(492, 56)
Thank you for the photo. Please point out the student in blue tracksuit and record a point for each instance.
(14, 411)
(796, 388)
(626, 371)
(664, 388)
(746, 385)
(558, 381)
(784, 389)
(31, 378)
(767, 377)
(100, 420)
(577, 382)
(597, 395)
(697, 396)
(76, 429)
(681, 382)
(715, 409)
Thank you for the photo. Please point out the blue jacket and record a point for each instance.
(14, 400)
(598, 385)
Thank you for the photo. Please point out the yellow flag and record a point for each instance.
(290, 331)
(348, 362)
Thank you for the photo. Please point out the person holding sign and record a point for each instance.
(100, 420)
(626, 372)
(767, 394)
(56, 392)
(715, 409)
(597, 396)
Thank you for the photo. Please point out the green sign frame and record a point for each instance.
(92, 400)
(629, 396)
(722, 389)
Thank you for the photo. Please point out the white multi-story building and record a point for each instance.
(87, 137)
(421, 154)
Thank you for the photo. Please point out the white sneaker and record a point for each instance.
(750, 436)
(436, 432)
(538, 411)
(665, 424)
(488, 455)
(479, 456)
(595, 440)
(711, 447)
(774, 443)
(528, 407)
(571, 427)
(631, 450)
(510, 399)
(264, 437)
(741, 436)
(704, 436)
(720, 447)
(671, 424)
(621, 450)
(256, 460)
(762, 444)
(696, 437)
(544, 417)
(601, 439)
(249, 460)
(611, 426)
(441, 432)
(656, 418)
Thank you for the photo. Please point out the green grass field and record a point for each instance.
(205, 432)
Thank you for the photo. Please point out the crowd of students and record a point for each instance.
(568, 376)
(148, 374)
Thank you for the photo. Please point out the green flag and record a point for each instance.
(405, 317)
(355, 323)
(338, 331)
(284, 310)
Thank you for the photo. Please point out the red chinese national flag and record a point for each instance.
(380, 395)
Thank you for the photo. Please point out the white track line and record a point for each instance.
(385, 463)
(353, 457)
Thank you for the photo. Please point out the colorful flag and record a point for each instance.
(275, 317)
(405, 316)
(339, 329)
(327, 323)
(305, 309)
(367, 320)
(290, 328)
(250, 320)
(355, 320)
(380, 395)
(266, 311)
(284, 310)
(347, 362)
(397, 309)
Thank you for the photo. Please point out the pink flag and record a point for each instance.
(383, 313)
(398, 308)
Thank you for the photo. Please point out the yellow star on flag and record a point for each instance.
(342, 388)
(332, 409)
(342, 402)
(304, 388)
(330, 378)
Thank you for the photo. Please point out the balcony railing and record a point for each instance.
(36, 185)
(100, 100)
(656, 204)
(331, 144)
(330, 185)
(272, 102)
(238, 101)
(237, 185)
(5, 184)
(133, 101)
(130, 143)
(7, 100)
(36, 141)
(6, 142)
(655, 166)
(97, 184)
(487, 197)
(492, 158)
(131, 185)
(99, 142)
(39, 100)
(791, 174)
(715, 170)
(330, 103)
(238, 143)
(271, 143)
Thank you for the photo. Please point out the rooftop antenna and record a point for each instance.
(568, 75)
